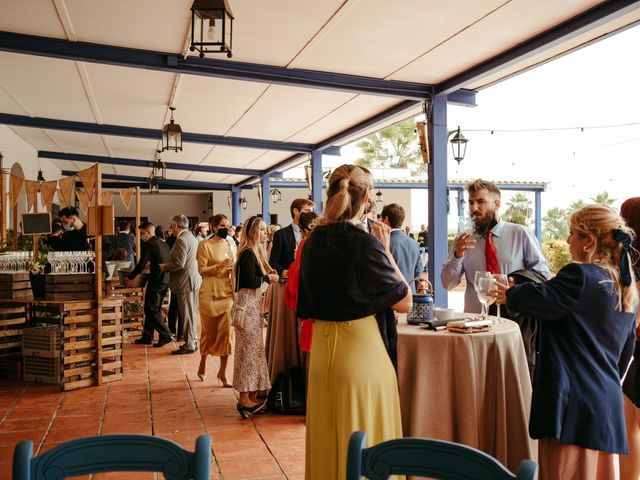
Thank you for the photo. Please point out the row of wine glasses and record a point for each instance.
(71, 262)
(15, 262)
(486, 283)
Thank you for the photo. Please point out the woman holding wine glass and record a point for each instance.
(587, 317)
(215, 264)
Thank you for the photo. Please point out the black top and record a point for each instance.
(423, 236)
(248, 273)
(171, 241)
(73, 240)
(345, 275)
(283, 249)
(154, 251)
(124, 240)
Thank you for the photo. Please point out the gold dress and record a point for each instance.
(215, 298)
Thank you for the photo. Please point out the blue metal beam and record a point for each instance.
(265, 200)
(144, 181)
(149, 133)
(316, 180)
(462, 98)
(130, 162)
(538, 217)
(602, 13)
(235, 205)
(210, 67)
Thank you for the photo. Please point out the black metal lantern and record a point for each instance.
(276, 196)
(243, 203)
(210, 204)
(76, 202)
(379, 197)
(154, 184)
(172, 135)
(458, 144)
(40, 179)
(159, 169)
(211, 27)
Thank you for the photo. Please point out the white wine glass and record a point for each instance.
(486, 286)
(500, 278)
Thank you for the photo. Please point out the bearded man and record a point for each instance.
(494, 245)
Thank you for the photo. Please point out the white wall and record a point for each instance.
(158, 208)
(15, 150)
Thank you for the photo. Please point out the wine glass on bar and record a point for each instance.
(500, 278)
(484, 289)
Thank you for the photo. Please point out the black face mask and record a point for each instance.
(222, 232)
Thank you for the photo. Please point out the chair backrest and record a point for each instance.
(114, 453)
(427, 457)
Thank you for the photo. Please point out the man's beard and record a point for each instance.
(483, 224)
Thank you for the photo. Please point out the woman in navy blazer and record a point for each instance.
(587, 325)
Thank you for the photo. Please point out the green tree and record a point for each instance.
(519, 210)
(394, 147)
(576, 205)
(556, 224)
(603, 198)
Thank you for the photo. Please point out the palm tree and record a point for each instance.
(556, 224)
(519, 210)
(576, 205)
(395, 146)
(603, 198)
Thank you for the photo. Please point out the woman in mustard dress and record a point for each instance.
(215, 264)
(346, 276)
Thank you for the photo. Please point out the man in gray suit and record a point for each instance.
(184, 280)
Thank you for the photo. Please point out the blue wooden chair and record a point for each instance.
(114, 453)
(427, 457)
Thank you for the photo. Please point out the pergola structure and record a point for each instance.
(93, 81)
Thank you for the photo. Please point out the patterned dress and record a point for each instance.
(250, 372)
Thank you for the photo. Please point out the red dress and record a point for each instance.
(291, 299)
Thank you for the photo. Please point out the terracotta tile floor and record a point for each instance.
(160, 395)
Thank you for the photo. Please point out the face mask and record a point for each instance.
(67, 226)
(144, 238)
(222, 232)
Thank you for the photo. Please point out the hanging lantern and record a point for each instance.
(154, 184)
(159, 168)
(458, 144)
(379, 197)
(211, 27)
(172, 135)
(76, 202)
(243, 203)
(276, 196)
(210, 204)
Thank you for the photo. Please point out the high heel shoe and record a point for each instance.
(202, 376)
(245, 411)
(223, 380)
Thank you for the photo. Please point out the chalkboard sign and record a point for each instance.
(36, 223)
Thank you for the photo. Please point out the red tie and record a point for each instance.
(490, 255)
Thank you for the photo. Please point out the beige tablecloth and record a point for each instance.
(282, 334)
(467, 388)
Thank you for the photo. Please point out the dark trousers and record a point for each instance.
(152, 317)
(173, 318)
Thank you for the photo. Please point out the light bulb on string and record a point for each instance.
(211, 33)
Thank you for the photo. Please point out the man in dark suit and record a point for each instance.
(75, 232)
(121, 240)
(404, 249)
(287, 239)
(154, 252)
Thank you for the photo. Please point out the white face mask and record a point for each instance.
(67, 226)
(144, 238)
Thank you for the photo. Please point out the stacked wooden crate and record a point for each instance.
(70, 286)
(90, 350)
(132, 305)
(15, 285)
(13, 318)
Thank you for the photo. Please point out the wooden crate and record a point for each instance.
(41, 370)
(132, 303)
(13, 318)
(15, 285)
(91, 341)
(70, 286)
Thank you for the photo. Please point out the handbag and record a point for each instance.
(238, 312)
(287, 394)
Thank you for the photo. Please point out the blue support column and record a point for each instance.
(538, 217)
(461, 202)
(437, 194)
(235, 205)
(265, 200)
(316, 179)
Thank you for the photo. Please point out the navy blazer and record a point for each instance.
(283, 250)
(406, 253)
(585, 346)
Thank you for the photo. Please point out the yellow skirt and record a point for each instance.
(352, 386)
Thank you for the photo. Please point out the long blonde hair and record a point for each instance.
(601, 221)
(345, 194)
(251, 241)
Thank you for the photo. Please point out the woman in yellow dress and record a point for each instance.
(346, 276)
(215, 264)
